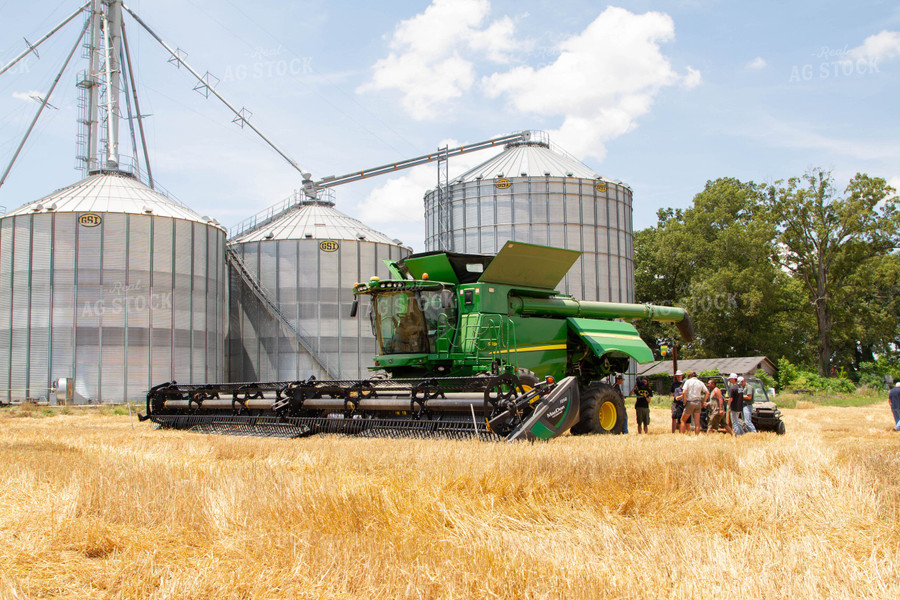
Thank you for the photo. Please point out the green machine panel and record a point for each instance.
(611, 337)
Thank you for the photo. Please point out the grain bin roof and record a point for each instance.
(529, 159)
(109, 193)
(313, 220)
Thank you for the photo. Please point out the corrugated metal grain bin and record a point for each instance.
(112, 285)
(531, 193)
(307, 261)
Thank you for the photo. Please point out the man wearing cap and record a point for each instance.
(894, 402)
(677, 404)
(737, 405)
(718, 416)
(695, 396)
(747, 391)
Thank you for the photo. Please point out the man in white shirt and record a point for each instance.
(695, 396)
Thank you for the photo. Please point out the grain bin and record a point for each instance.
(533, 193)
(306, 259)
(112, 285)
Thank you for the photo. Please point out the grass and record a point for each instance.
(32, 410)
(864, 397)
(99, 506)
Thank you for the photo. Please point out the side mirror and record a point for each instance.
(354, 307)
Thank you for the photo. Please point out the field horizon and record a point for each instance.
(101, 506)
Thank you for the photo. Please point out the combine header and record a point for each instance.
(469, 346)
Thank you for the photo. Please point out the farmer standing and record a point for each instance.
(695, 395)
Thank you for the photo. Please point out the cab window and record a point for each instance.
(408, 322)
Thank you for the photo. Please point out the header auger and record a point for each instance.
(469, 346)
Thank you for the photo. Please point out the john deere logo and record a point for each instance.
(90, 220)
(328, 246)
(502, 184)
(601, 186)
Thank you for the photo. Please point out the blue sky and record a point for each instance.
(661, 95)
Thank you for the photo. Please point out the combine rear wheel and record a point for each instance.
(602, 411)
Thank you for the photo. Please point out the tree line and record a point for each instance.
(799, 269)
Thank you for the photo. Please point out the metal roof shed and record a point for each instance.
(741, 365)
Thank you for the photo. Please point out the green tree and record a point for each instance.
(744, 303)
(717, 260)
(825, 237)
(662, 263)
(867, 313)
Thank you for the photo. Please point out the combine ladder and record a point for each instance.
(253, 283)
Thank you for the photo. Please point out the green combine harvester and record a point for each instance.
(469, 346)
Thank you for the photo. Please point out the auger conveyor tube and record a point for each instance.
(484, 407)
(569, 307)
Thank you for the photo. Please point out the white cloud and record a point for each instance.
(884, 45)
(424, 84)
(497, 41)
(429, 61)
(894, 182)
(692, 79)
(603, 79)
(31, 96)
(756, 64)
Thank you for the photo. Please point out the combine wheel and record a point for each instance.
(527, 379)
(602, 411)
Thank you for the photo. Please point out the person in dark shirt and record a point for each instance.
(618, 387)
(677, 405)
(642, 393)
(737, 405)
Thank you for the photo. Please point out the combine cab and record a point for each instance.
(469, 346)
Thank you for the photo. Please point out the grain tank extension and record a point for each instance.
(468, 345)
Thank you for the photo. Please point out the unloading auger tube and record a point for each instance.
(495, 407)
(570, 307)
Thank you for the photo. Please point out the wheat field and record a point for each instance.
(104, 507)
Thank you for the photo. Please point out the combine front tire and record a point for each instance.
(602, 411)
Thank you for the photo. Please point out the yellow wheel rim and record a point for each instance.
(608, 416)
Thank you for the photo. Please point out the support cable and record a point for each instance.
(134, 150)
(44, 103)
(242, 118)
(137, 107)
(33, 47)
